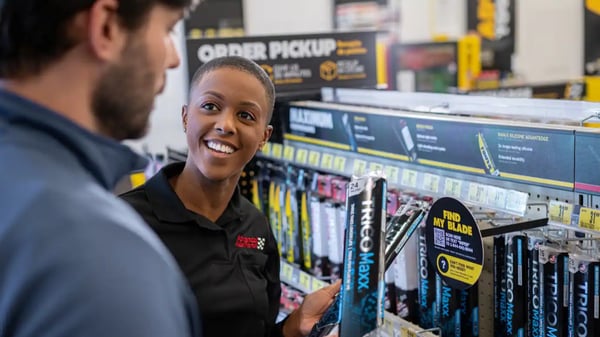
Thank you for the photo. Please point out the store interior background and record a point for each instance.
(548, 48)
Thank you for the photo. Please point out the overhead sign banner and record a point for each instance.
(494, 21)
(299, 62)
(518, 154)
(454, 243)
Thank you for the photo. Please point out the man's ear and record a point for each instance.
(106, 36)
(184, 116)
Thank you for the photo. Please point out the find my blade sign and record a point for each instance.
(298, 62)
(454, 243)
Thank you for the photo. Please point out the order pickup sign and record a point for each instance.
(454, 243)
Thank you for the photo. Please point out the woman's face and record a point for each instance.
(226, 122)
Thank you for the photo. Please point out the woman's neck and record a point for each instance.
(203, 196)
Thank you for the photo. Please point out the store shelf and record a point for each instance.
(299, 279)
(402, 176)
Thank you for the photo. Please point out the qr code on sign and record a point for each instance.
(439, 237)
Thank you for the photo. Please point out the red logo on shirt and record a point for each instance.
(250, 242)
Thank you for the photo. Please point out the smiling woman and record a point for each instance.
(223, 244)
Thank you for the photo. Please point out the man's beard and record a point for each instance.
(124, 96)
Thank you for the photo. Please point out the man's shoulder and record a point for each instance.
(76, 213)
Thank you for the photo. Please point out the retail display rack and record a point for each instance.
(517, 163)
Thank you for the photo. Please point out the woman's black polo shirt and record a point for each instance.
(232, 265)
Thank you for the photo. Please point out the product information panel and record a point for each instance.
(521, 154)
(299, 62)
(454, 243)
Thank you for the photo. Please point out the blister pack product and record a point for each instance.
(469, 311)
(534, 242)
(305, 220)
(499, 268)
(335, 239)
(448, 308)
(584, 304)
(400, 229)
(275, 218)
(427, 286)
(516, 285)
(319, 229)
(362, 288)
(554, 290)
(292, 219)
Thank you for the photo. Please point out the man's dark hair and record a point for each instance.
(33, 33)
(242, 64)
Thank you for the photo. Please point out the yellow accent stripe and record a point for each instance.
(382, 154)
(308, 140)
(537, 180)
(451, 166)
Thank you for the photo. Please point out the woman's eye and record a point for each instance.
(209, 106)
(246, 115)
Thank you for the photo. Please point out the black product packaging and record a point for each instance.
(427, 286)
(534, 321)
(448, 309)
(363, 273)
(499, 285)
(406, 280)
(584, 308)
(554, 292)
(516, 285)
(469, 311)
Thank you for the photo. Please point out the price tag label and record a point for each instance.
(391, 172)
(305, 281)
(266, 150)
(276, 150)
(375, 167)
(477, 193)
(287, 272)
(327, 161)
(339, 163)
(409, 178)
(560, 212)
(496, 197)
(288, 152)
(589, 218)
(360, 167)
(314, 158)
(453, 188)
(302, 156)
(516, 202)
(431, 182)
(317, 284)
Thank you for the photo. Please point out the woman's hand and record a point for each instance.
(302, 320)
